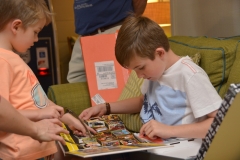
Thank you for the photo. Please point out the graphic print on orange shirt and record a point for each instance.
(38, 95)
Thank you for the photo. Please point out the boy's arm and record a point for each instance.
(49, 112)
(73, 123)
(195, 130)
(45, 113)
(131, 105)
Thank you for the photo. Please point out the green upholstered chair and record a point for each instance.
(74, 96)
(220, 58)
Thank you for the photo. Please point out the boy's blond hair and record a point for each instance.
(28, 11)
(139, 36)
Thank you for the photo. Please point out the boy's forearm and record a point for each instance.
(195, 130)
(132, 105)
(33, 115)
(66, 119)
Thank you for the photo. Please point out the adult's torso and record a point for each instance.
(93, 14)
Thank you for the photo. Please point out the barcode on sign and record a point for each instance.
(104, 68)
(102, 75)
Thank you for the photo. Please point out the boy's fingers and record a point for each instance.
(86, 115)
(56, 121)
(92, 130)
(60, 110)
(82, 114)
(57, 114)
(141, 132)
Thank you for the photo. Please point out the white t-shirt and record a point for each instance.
(183, 95)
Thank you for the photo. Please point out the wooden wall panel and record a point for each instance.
(158, 12)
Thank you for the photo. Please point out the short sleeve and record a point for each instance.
(202, 96)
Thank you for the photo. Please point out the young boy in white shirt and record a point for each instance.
(178, 99)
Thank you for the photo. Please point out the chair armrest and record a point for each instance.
(74, 96)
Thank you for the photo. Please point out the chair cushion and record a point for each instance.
(234, 72)
(77, 100)
(217, 55)
(131, 89)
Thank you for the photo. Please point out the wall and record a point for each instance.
(213, 18)
(160, 13)
(64, 19)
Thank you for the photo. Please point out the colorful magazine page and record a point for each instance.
(105, 76)
(146, 139)
(105, 142)
(158, 140)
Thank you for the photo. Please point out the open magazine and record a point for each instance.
(112, 138)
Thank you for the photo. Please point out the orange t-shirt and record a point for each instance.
(20, 87)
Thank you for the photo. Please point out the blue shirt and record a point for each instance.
(93, 14)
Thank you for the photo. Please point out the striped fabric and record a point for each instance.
(131, 89)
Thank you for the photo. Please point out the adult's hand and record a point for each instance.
(48, 130)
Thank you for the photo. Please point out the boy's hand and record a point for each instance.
(48, 130)
(154, 129)
(50, 112)
(76, 126)
(98, 110)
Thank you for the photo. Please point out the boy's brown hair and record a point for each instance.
(139, 36)
(28, 11)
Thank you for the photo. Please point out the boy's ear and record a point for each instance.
(15, 25)
(160, 52)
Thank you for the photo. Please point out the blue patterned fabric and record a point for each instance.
(160, 103)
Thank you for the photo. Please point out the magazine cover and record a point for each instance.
(112, 138)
